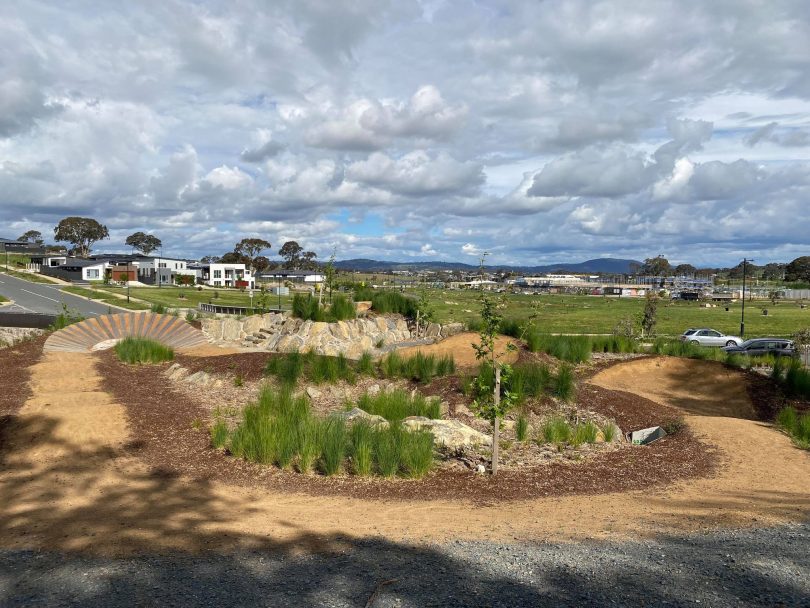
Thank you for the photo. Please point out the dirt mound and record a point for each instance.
(701, 388)
(460, 346)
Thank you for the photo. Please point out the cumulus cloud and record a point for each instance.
(547, 131)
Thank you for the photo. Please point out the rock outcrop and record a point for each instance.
(449, 434)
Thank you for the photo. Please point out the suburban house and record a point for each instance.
(77, 269)
(223, 275)
(305, 277)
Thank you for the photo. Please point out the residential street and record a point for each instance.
(46, 299)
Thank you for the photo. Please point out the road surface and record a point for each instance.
(47, 299)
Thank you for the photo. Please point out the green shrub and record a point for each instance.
(674, 426)
(333, 449)
(219, 434)
(365, 365)
(797, 380)
(521, 428)
(392, 365)
(416, 453)
(777, 370)
(397, 405)
(143, 350)
(737, 360)
(564, 383)
(445, 365)
(287, 368)
(796, 425)
(788, 419)
(158, 308)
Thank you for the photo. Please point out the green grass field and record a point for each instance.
(2, 299)
(106, 298)
(599, 315)
(170, 296)
(25, 276)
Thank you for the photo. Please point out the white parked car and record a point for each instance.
(705, 336)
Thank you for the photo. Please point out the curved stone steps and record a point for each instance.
(167, 329)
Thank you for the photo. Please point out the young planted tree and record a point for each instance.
(492, 402)
(649, 317)
(145, 243)
(329, 277)
(81, 232)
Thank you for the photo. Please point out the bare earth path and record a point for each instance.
(65, 485)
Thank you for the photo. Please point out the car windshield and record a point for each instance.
(689, 332)
(748, 343)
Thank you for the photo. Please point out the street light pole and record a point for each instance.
(742, 317)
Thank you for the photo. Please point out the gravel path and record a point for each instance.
(756, 567)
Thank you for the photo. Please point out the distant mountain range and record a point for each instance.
(599, 265)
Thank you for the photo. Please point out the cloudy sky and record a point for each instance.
(540, 131)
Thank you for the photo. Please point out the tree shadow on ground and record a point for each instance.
(74, 536)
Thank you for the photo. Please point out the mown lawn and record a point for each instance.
(596, 314)
(191, 297)
(106, 298)
(33, 278)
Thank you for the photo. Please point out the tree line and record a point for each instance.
(82, 233)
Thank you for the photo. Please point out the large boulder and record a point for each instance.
(433, 330)
(353, 415)
(450, 434)
(212, 328)
(231, 329)
(252, 324)
(452, 329)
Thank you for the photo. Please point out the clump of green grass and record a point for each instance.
(522, 428)
(309, 444)
(574, 349)
(334, 446)
(585, 433)
(362, 442)
(306, 307)
(510, 327)
(556, 430)
(416, 453)
(609, 431)
(420, 367)
(796, 425)
(289, 368)
(158, 308)
(528, 380)
(137, 350)
(614, 344)
(797, 380)
(219, 434)
(397, 405)
(393, 302)
(563, 383)
(388, 444)
(365, 365)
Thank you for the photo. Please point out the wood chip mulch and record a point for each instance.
(250, 366)
(171, 436)
(15, 364)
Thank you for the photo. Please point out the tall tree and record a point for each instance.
(251, 249)
(291, 252)
(32, 236)
(309, 260)
(145, 243)
(773, 271)
(798, 270)
(81, 232)
(683, 270)
(658, 266)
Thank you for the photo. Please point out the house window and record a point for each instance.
(217, 274)
(92, 273)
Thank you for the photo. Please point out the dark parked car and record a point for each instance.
(779, 347)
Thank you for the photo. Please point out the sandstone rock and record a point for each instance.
(212, 328)
(374, 389)
(252, 324)
(231, 329)
(433, 330)
(355, 414)
(200, 378)
(480, 469)
(312, 392)
(450, 434)
(451, 329)
(362, 306)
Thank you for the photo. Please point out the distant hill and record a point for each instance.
(599, 265)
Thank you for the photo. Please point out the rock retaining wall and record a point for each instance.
(11, 335)
(282, 333)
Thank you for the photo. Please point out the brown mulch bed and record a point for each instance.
(162, 422)
(14, 373)
(250, 366)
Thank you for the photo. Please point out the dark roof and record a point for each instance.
(80, 262)
(288, 273)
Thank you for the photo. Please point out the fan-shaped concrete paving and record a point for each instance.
(107, 329)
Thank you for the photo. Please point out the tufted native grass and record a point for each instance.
(136, 350)
(397, 405)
